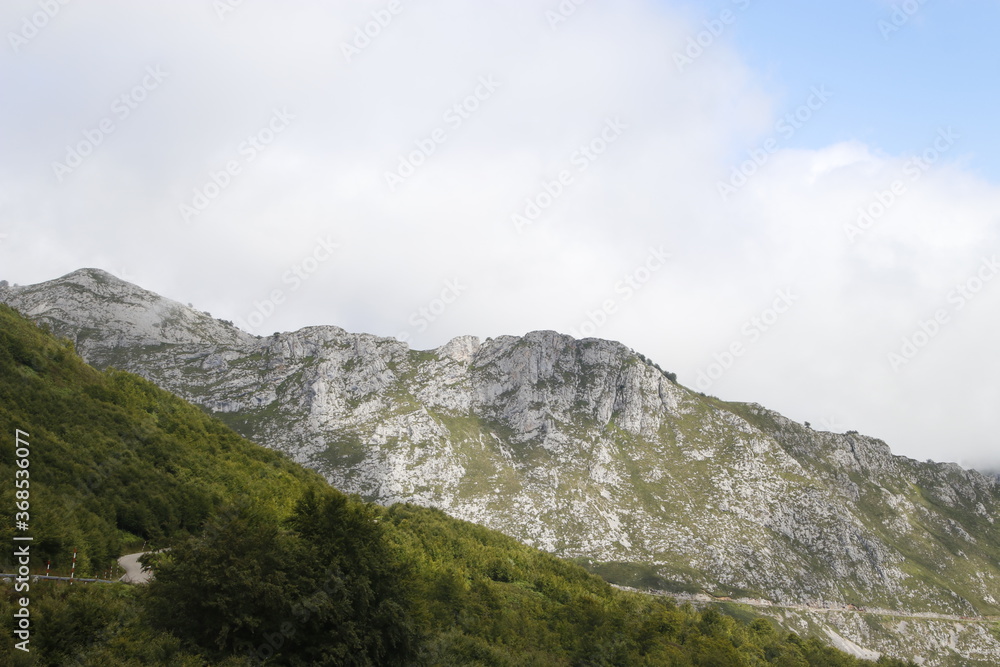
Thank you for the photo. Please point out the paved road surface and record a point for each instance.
(702, 597)
(134, 574)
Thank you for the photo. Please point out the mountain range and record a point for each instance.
(588, 450)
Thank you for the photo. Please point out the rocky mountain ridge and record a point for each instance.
(581, 447)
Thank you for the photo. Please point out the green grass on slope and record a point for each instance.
(269, 565)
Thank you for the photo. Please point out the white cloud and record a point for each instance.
(655, 185)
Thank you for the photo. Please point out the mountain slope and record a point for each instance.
(115, 460)
(583, 448)
(277, 567)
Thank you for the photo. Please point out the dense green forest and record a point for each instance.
(269, 565)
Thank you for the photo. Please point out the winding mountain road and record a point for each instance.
(703, 598)
(134, 572)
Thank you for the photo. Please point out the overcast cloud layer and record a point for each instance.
(497, 168)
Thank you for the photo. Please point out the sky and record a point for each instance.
(792, 204)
